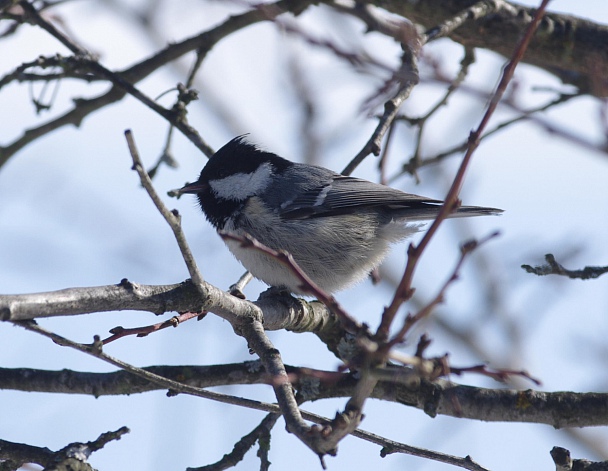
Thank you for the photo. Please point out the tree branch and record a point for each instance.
(242, 446)
(71, 457)
(280, 312)
(123, 80)
(568, 47)
(397, 384)
(404, 290)
(554, 268)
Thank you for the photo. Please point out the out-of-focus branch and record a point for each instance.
(405, 79)
(417, 162)
(554, 268)
(123, 80)
(465, 250)
(404, 290)
(564, 462)
(73, 456)
(571, 48)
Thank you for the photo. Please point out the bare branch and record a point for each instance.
(406, 78)
(120, 332)
(554, 268)
(307, 285)
(279, 312)
(389, 447)
(474, 12)
(417, 162)
(172, 217)
(564, 462)
(396, 384)
(465, 250)
(73, 456)
(404, 290)
(175, 387)
(122, 80)
(242, 446)
(569, 47)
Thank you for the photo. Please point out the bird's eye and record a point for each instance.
(222, 173)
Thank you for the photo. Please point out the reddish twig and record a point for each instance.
(307, 285)
(119, 331)
(465, 250)
(496, 374)
(404, 290)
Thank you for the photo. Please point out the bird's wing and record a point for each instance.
(344, 195)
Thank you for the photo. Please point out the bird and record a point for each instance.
(337, 228)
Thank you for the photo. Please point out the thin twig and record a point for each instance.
(498, 374)
(389, 447)
(123, 80)
(307, 285)
(120, 332)
(172, 217)
(409, 79)
(411, 167)
(241, 447)
(465, 250)
(414, 162)
(95, 349)
(407, 76)
(404, 290)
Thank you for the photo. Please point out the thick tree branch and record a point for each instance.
(557, 409)
(574, 49)
(280, 312)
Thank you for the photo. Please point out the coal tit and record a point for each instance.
(337, 228)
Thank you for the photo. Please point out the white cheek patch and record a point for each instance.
(240, 186)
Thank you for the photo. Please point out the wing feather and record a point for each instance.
(345, 195)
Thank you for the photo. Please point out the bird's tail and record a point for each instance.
(426, 211)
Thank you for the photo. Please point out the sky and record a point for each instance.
(72, 213)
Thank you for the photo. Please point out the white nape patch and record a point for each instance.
(240, 186)
(321, 198)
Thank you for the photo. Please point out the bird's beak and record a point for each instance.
(193, 188)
